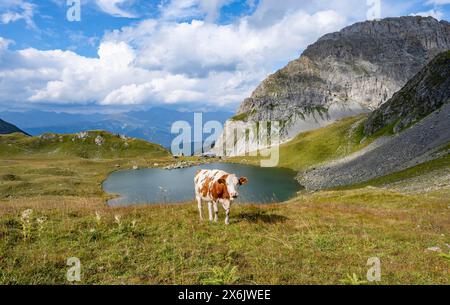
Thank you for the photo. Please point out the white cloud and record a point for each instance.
(15, 10)
(112, 7)
(431, 13)
(438, 2)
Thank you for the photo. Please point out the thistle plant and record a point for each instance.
(41, 221)
(26, 219)
(98, 218)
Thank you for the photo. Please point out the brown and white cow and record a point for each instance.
(216, 186)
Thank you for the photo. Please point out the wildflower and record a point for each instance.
(26, 215)
(98, 217)
(41, 221)
(133, 223)
(26, 223)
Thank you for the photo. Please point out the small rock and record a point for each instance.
(135, 167)
(99, 140)
(82, 135)
(434, 249)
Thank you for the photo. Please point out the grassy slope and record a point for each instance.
(318, 146)
(35, 167)
(70, 145)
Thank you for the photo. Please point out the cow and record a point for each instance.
(216, 186)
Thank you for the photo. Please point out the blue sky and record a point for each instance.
(124, 54)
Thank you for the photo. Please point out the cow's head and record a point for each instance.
(230, 185)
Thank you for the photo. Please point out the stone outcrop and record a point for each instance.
(423, 94)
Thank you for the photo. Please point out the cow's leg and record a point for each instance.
(216, 212)
(199, 205)
(226, 204)
(210, 210)
(227, 217)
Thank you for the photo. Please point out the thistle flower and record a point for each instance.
(41, 221)
(26, 223)
(26, 215)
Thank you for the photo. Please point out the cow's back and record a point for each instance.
(204, 180)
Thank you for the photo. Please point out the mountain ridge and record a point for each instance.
(8, 128)
(153, 125)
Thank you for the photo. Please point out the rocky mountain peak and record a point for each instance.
(354, 70)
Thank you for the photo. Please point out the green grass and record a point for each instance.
(315, 239)
(69, 145)
(318, 146)
(67, 166)
(243, 116)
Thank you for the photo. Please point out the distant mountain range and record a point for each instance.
(153, 125)
(7, 128)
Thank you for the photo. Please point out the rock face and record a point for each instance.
(344, 73)
(422, 95)
(7, 128)
(420, 117)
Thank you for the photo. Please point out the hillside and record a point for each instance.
(423, 94)
(86, 145)
(418, 116)
(7, 128)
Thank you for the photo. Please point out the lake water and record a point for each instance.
(147, 186)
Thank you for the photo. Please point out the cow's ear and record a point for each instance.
(243, 180)
(222, 181)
